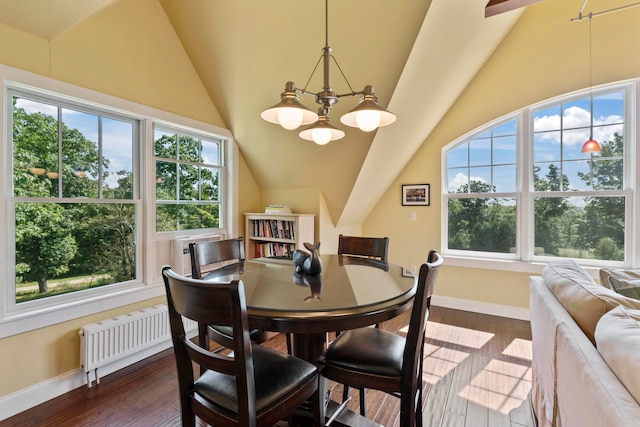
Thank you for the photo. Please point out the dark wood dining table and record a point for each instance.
(350, 292)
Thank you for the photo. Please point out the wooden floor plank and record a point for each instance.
(464, 351)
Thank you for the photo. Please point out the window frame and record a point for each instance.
(148, 284)
(43, 303)
(220, 168)
(524, 259)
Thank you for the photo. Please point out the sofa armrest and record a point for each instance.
(589, 393)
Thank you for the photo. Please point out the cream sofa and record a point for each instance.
(586, 350)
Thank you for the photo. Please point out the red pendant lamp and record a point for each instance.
(591, 145)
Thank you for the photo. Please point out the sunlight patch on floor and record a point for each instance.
(440, 361)
(457, 335)
(519, 348)
(500, 386)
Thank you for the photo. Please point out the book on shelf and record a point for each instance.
(278, 209)
(273, 228)
(274, 250)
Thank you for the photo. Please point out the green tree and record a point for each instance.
(605, 216)
(54, 239)
(481, 223)
(548, 211)
(181, 182)
(44, 241)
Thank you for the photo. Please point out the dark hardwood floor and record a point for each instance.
(477, 373)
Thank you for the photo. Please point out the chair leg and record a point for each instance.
(345, 392)
(289, 348)
(363, 402)
(363, 398)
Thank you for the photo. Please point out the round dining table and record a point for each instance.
(350, 292)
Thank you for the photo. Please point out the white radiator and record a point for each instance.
(115, 339)
(180, 257)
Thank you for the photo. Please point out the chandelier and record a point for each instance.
(291, 114)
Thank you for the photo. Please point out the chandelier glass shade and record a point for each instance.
(290, 113)
(321, 132)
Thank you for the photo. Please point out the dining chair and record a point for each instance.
(254, 385)
(207, 257)
(375, 248)
(221, 256)
(371, 358)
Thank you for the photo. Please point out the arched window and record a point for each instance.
(520, 188)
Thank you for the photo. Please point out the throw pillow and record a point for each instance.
(618, 342)
(584, 300)
(606, 274)
(626, 287)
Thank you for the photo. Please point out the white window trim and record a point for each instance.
(525, 262)
(149, 285)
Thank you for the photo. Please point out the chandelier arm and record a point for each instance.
(352, 93)
(343, 76)
(304, 89)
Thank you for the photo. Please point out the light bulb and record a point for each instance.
(321, 136)
(289, 118)
(368, 120)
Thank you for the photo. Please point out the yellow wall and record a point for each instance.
(128, 50)
(544, 56)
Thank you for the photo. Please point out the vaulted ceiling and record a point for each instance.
(418, 54)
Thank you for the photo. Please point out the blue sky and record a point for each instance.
(559, 132)
(117, 135)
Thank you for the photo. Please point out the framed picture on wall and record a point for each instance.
(416, 195)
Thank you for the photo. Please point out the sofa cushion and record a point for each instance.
(618, 341)
(607, 273)
(585, 300)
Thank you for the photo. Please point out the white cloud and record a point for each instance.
(31, 107)
(461, 179)
(578, 119)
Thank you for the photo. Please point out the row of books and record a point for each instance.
(274, 250)
(273, 228)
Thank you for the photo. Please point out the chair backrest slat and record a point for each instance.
(208, 256)
(419, 315)
(373, 247)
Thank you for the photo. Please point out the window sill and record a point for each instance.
(24, 321)
(516, 266)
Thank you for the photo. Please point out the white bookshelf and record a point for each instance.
(277, 235)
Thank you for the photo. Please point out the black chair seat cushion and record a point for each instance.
(276, 374)
(228, 331)
(368, 350)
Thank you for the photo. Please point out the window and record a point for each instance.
(78, 212)
(481, 199)
(534, 195)
(579, 199)
(188, 170)
(74, 197)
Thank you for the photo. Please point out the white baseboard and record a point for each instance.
(482, 307)
(29, 397)
(36, 394)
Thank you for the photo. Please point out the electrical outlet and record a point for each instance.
(412, 267)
